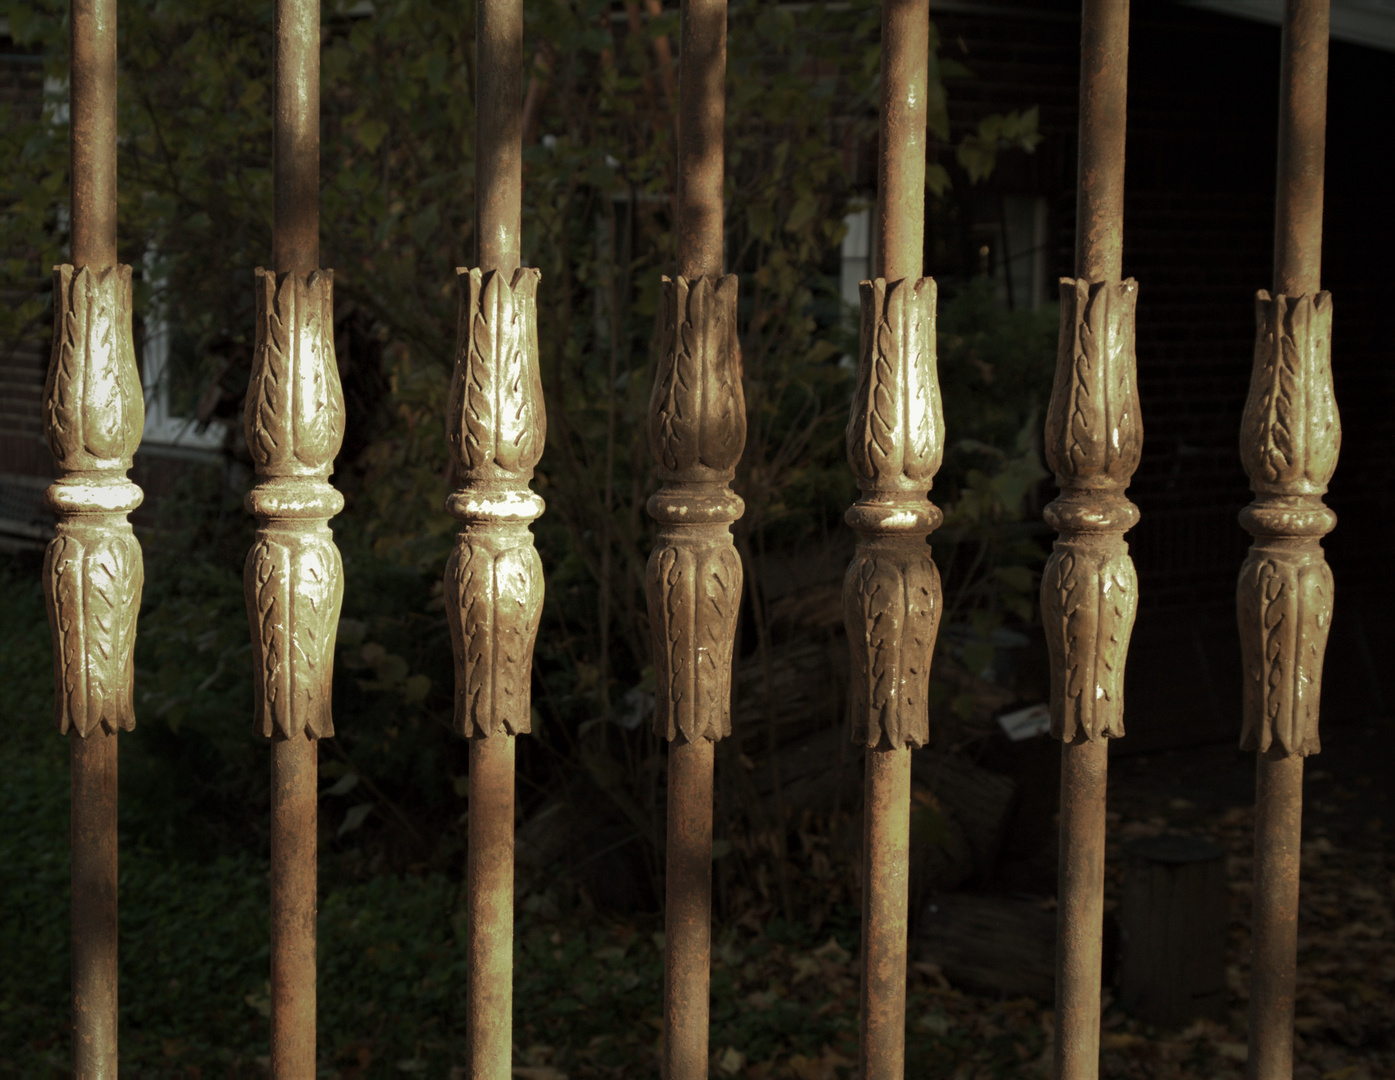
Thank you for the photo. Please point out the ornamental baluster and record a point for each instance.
(697, 431)
(1089, 590)
(93, 572)
(1290, 435)
(293, 579)
(496, 429)
(891, 593)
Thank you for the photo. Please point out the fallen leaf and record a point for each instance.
(730, 1061)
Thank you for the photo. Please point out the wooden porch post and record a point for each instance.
(496, 428)
(697, 431)
(93, 570)
(1289, 439)
(1089, 591)
(891, 593)
(293, 578)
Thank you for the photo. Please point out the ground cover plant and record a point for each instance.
(587, 989)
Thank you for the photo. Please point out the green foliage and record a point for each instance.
(194, 953)
(978, 151)
(396, 219)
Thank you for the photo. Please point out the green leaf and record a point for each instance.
(371, 133)
(937, 179)
(342, 786)
(355, 818)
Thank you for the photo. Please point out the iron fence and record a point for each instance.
(493, 585)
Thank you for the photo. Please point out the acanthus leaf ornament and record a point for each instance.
(895, 443)
(497, 429)
(93, 571)
(1093, 441)
(293, 577)
(1094, 431)
(697, 431)
(1290, 437)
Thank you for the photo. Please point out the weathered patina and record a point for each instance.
(891, 592)
(1089, 590)
(697, 431)
(496, 429)
(93, 570)
(293, 579)
(1290, 435)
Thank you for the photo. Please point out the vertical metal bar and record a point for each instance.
(697, 431)
(1289, 439)
(293, 578)
(92, 134)
(94, 874)
(1302, 147)
(499, 133)
(295, 238)
(92, 569)
(493, 579)
(702, 110)
(1089, 591)
(891, 594)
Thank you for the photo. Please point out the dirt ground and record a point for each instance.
(1346, 985)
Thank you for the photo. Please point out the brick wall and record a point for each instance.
(22, 365)
(1198, 237)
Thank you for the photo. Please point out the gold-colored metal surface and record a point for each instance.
(494, 594)
(93, 571)
(294, 578)
(494, 580)
(1089, 590)
(294, 422)
(697, 431)
(1289, 439)
(891, 593)
(497, 428)
(1290, 436)
(1094, 438)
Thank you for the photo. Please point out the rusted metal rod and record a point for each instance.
(295, 237)
(493, 580)
(489, 895)
(92, 568)
(294, 903)
(1089, 591)
(92, 134)
(697, 431)
(293, 578)
(891, 594)
(1289, 439)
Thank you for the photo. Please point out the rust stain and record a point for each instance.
(93, 572)
(293, 578)
(1290, 435)
(1089, 590)
(891, 593)
(697, 431)
(494, 582)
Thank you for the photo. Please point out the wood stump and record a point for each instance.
(1173, 929)
(998, 943)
